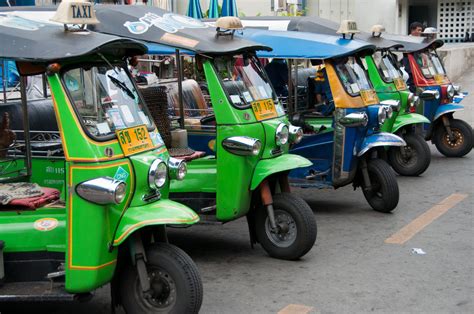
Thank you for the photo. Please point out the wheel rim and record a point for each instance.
(162, 290)
(287, 229)
(456, 142)
(406, 156)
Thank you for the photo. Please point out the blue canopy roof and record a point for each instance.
(159, 49)
(301, 45)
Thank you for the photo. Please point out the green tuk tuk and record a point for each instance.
(86, 204)
(248, 173)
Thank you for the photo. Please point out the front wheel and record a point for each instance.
(296, 232)
(175, 282)
(383, 193)
(412, 159)
(461, 142)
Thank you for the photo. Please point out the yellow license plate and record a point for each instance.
(439, 78)
(134, 140)
(264, 109)
(369, 97)
(400, 84)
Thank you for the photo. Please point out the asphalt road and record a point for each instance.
(351, 268)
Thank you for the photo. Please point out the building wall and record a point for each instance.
(246, 7)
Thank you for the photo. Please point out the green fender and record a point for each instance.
(161, 212)
(267, 167)
(407, 119)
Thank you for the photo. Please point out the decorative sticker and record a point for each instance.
(439, 78)
(121, 174)
(46, 224)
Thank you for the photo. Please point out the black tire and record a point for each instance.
(462, 144)
(299, 219)
(412, 159)
(170, 270)
(384, 195)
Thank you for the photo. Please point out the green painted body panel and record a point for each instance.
(321, 122)
(408, 119)
(201, 177)
(279, 164)
(20, 235)
(158, 213)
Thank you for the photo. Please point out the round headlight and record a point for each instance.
(411, 99)
(120, 192)
(389, 111)
(157, 174)
(177, 168)
(256, 148)
(296, 134)
(282, 134)
(450, 91)
(436, 94)
(382, 114)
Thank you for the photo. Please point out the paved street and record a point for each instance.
(351, 268)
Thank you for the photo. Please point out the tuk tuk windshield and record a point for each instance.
(386, 67)
(352, 75)
(429, 63)
(244, 79)
(105, 100)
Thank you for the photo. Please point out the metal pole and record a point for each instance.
(26, 123)
(180, 88)
(296, 87)
(45, 89)
(290, 87)
(4, 82)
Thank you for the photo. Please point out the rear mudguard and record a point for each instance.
(267, 167)
(380, 139)
(448, 108)
(162, 212)
(408, 119)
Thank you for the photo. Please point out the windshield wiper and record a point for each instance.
(122, 86)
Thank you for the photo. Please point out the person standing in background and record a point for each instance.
(416, 28)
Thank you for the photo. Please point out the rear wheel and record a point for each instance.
(296, 232)
(175, 282)
(412, 159)
(383, 195)
(461, 142)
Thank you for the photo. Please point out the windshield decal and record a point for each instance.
(169, 23)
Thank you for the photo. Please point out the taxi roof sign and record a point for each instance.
(75, 12)
(227, 25)
(377, 30)
(348, 27)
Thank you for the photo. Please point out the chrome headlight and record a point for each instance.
(450, 91)
(430, 94)
(157, 174)
(296, 134)
(411, 100)
(392, 103)
(382, 114)
(178, 168)
(457, 89)
(389, 110)
(242, 145)
(103, 190)
(282, 134)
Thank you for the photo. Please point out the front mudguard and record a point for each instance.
(448, 108)
(267, 167)
(162, 212)
(380, 139)
(403, 120)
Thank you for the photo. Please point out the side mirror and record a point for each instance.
(395, 104)
(429, 95)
